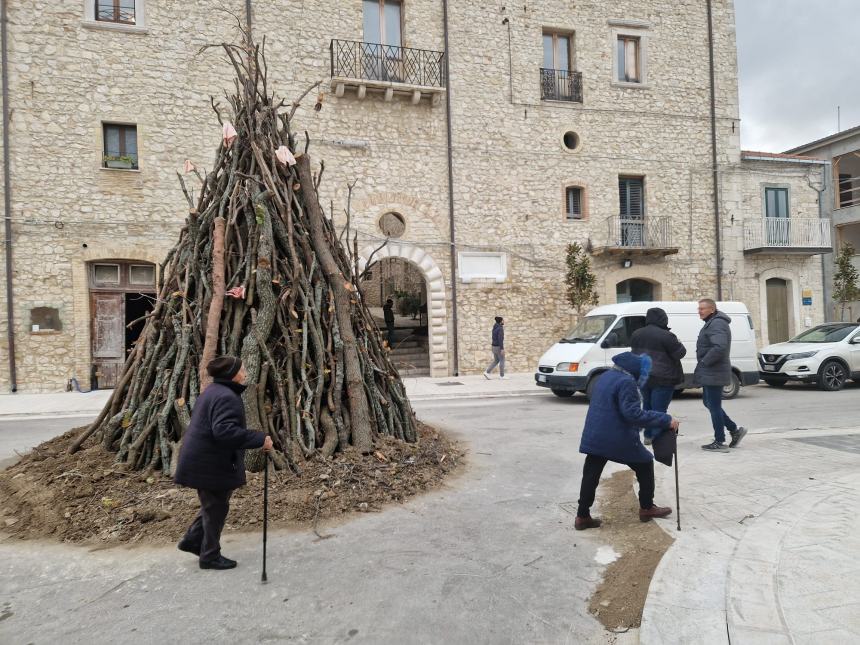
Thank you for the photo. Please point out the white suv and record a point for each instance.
(828, 354)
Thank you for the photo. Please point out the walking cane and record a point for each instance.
(265, 514)
(677, 494)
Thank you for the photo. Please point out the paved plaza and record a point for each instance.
(766, 554)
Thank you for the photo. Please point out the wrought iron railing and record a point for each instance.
(643, 233)
(787, 233)
(560, 85)
(115, 11)
(375, 62)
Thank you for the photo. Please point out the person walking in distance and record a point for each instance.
(611, 433)
(666, 352)
(713, 371)
(388, 313)
(498, 347)
(212, 458)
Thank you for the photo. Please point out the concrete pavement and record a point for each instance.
(767, 554)
(73, 404)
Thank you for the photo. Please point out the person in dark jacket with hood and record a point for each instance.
(666, 352)
(388, 315)
(212, 458)
(497, 343)
(713, 371)
(611, 433)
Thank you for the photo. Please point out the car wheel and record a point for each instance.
(775, 382)
(731, 390)
(832, 376)
(563, 394)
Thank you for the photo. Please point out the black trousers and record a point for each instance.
(206, 528)
(591, 478)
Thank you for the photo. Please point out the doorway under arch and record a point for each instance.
(433, 304)
(778, 328)
(636, 290)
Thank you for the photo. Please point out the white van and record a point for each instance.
(572, 364)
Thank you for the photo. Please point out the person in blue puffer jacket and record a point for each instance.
(615, 417)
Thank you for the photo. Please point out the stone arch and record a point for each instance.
(102, 250)
(655, 274)
(436, 303)
(793, 286)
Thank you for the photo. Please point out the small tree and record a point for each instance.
(580, 280)
(845, 279)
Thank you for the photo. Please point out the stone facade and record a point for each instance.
(69, 74)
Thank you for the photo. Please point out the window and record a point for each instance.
(105, 274)
(629, 59)
(776, 202)
(121, 11)
(570, 140)
(623, 331)
(631, 211)
(392, 225)
(557, 52)
(120, 146)
(45, 319)
(141, 274)
(382, 22)
(573, 202)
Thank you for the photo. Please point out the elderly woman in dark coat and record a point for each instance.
(212, 458)
(611, 433)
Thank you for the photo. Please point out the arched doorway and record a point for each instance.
(406, 329)
(432, 314)
(635, 290)
(122, 293)
(776, 290)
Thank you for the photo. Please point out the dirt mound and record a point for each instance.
(620, 598)
(87, 497)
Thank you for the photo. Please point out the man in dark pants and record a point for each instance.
(611, 433)
(497, 344)
(713, 371)
(388, 314)
(212, 458)
(666, 352)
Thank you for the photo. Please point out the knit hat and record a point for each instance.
(224, 367)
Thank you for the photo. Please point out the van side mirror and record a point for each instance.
(605, 344)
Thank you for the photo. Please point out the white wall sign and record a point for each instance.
(482, 266)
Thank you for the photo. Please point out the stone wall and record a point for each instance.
(510, 165)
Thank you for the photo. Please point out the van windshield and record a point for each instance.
(589, 329)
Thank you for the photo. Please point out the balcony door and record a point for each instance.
(557, 63)
(777, 222)
(632, 211)
(381, 54)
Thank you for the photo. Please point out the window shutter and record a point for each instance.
(630, 198)
(574, 202)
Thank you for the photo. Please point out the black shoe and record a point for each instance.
(737, 436)
(715, 446)
(188, 547)
(220, 563)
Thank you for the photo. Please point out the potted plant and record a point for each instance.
(126, 162)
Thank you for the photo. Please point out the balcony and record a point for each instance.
(643, 236)
(560, 85)
(388, 69)
(787, 235)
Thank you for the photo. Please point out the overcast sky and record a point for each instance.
(797, 60)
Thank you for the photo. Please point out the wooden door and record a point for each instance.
(108, 318)
(777, 310)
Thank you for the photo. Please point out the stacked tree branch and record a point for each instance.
(258, 272)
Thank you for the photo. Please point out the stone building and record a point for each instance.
(841, 204)
(556, 122)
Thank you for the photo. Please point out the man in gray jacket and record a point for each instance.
(713, 371)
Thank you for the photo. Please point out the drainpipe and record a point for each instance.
(7, 200)
(248, 17)
(451, 228)
(719, 245)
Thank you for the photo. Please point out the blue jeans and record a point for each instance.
(712, 397)
(656, 398)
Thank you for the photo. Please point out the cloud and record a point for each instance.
(796, 63)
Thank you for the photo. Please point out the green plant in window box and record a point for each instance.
(119, 161)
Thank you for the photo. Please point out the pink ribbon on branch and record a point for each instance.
(228, 134)
(285, 156)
